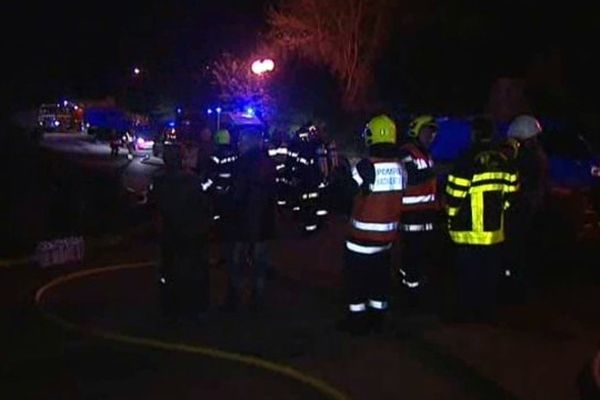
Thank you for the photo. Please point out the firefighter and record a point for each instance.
(308, 177)
(221, 170)
(479, 191)
(216, 179)
(115, 143)
(183, 212)
(129, 141)
(380, 180)
(420, 205)
(532, 164)
(278, 151)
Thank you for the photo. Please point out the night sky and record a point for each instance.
(65, 50)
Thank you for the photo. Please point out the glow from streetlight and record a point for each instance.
(219, 110)
(209, 111)
(136, 71)
(259, 67)
(268, 65)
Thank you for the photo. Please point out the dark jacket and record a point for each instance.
(254, 195)
(532, 165)
(182, 205)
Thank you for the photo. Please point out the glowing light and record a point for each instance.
(56, 123)
(219, 110)
(268, 65)
(136, 71)
(179, 111)
(65, 103)
(209, 111)
(259, 67)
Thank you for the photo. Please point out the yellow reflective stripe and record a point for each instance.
(477, 210)
(456, 193)
(490, 187)
(477, 238)
(459, 181)
(452, 211)
(495, 175)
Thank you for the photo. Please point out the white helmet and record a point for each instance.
(524, 127)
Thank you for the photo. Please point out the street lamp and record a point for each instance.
(218, 109)
(259, 67)
(137, 71)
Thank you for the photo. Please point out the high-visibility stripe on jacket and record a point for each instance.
(376, 212)
(478, 193)
(223, 161)
(420, 202)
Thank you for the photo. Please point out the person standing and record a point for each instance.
(380, 180)
(531, 163)
(420, 206)
(184, 215)
(478, 192)
(254, 198)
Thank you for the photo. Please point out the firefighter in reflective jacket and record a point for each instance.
(308, 175)
(373, 227)
(479, 191)
(221, 169)
(420, 205)
(278, 151)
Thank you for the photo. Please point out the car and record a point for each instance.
(144, 138)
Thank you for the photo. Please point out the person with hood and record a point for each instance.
(254, 199)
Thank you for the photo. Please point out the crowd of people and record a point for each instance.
(393, 198)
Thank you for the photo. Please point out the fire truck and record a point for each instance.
(61, 117)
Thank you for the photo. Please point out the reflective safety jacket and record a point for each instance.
(377, 206)
(478, 193)
(222, 160)
(419, 203)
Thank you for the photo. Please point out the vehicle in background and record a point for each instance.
(238, 121)
(144, 137)
(61, 117)
(102, 121)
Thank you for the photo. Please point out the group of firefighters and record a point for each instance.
(492, 193)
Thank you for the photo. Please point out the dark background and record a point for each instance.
(442, 56)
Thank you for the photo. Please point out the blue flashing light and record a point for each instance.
(171, 124)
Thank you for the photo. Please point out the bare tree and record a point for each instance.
(238, 85)
(347, 36)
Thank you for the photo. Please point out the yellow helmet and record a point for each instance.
(419, 123)
(381, 129)
(222, 137)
